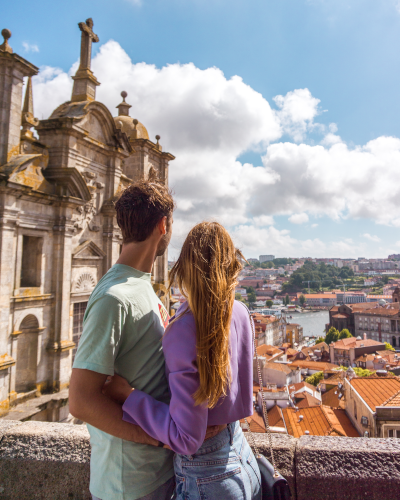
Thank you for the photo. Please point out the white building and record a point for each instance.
(266, 258)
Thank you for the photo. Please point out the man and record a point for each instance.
(122, 330)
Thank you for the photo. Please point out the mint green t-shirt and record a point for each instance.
(122, 330)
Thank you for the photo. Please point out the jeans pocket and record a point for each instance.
(226, 486)
(180, 487)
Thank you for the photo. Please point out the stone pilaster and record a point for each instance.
(13, 68)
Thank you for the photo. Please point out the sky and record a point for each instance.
(283, 116)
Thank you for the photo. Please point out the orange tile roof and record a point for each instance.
(353, 342)
(376, 390)
(304, 399)
(269, 350)
(318, 421)
(256, 423)
(275, 418)
(313, 365)
(299, 386)
(329, 398)
(341, 316)
(393, 401)
(279, 367)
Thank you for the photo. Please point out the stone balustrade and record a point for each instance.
(50, 461)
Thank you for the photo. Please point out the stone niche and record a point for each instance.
(87, 265)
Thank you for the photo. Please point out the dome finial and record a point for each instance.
(4, 47)
(123, 108)
(158, 145)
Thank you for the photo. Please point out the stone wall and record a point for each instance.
(50, 461)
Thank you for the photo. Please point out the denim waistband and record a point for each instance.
(219, 440)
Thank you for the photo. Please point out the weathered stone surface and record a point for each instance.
(329, 468)
(39, 460)
(284, 447)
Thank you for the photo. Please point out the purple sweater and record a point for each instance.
(182, 425)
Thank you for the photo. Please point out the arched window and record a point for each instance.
(27, 350)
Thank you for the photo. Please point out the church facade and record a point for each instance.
(58, 230)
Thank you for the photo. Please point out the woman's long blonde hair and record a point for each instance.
(206, 273)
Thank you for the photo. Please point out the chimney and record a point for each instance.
(365, 336)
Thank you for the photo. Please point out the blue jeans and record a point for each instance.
(224, 468)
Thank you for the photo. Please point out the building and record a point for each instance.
(377, 298)
(310, 367)
(373, 405)
(345, 351)
(342, 317)
(266, 258)
(269, 326)
(294, 333)
(58, 232)
(380, 323)
(317, 352)
(280, 374)
(318, 421)
(320, 299)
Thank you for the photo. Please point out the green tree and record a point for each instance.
(251, 297)
(302, 300)
(315, 378)
(269, 303)
(332, 335)
(258, 285)
(345, 334)
(389, 347)
(287, 300)
(362, 372)
(250, 289)
(238, 297)
(385, 279)
(319, 340)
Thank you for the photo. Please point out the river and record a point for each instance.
(313, 323)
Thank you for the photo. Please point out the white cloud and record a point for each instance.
(298, 109)
(370, 237)
(314, 225)
(207, 121)
(298, 218)
(30, 47)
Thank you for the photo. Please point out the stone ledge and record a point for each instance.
(50, 461)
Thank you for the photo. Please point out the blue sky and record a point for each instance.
(344, 52)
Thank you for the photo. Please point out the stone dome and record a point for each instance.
(125, 123)
(382, 302)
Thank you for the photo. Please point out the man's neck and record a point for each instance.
(140, 256)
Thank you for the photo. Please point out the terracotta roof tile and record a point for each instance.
(353, 342)
(375, 391)
(269, 350)
(280, 367)
(318, 421)
(393, 401)
(313, 365)
(275, 418)
(305, 399)
(329, 398)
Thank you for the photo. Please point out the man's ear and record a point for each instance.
(162, 225)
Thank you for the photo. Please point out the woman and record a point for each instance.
(208, 349)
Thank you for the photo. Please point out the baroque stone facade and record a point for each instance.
(58, 231)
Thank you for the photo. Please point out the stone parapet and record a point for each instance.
(40, 460)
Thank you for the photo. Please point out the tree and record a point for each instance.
(287, 300)
(238, 297)
(302, 300)
(319, 340)
(250, 289)
(332, 335)
(269, 303)
(315, 379)
(258, 285)
(251, 297)
(345, 334)
(389, 347)
(385, 279)
(362, 372)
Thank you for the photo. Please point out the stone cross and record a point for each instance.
(87, 38)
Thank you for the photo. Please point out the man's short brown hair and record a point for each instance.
(140, 208)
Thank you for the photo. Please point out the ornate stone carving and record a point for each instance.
(85, 283)
(85, 218)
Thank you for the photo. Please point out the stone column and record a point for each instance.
(60, 343)
(8, 219)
